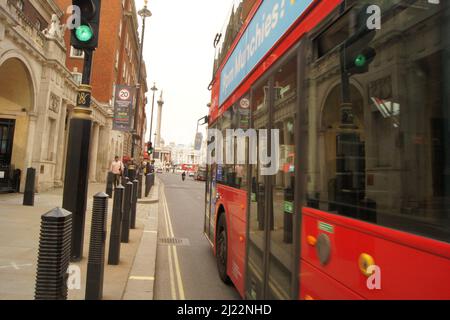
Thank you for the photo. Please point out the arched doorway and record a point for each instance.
(16, 100)
(343, 156)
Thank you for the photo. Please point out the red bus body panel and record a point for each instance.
(411, 267)
(234, 202)
(308, 21)
(315, 283)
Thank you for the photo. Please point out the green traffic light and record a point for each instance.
(84, 33)
(360, 60)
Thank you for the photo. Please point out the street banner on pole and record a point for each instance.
(123, 108)
(198, 141)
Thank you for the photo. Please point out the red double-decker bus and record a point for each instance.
(358, 93)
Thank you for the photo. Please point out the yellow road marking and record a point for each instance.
(174, 251)
(173, 290)
(172, 280)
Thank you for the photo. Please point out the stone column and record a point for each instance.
(101, 155)
(94, 152)
(61, 146)
(30, 148)
(159, 122)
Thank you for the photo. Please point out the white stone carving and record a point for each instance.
(56, 29)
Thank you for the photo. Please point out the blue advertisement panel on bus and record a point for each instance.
(273, 19)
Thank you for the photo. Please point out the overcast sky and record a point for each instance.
(179, 54)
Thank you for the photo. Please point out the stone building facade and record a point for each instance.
(37, 95)
(400, 115)
(37, 92)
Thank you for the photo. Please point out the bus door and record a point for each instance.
(257, 237)
(271, 244)
(210, 210)
(281, 259)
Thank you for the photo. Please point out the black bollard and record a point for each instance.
(134, 200)
(54, 255)
(16, 180)
(139, 191)
(28, 197)
(148, 184)
(152, 179)
(116, 225)
(109, 184)
(96, 261)
(125, 234)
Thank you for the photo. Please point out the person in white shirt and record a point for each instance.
(117, 169)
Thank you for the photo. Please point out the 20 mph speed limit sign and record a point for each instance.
(124, 94)
(123, 108)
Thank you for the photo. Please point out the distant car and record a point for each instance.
(200, 175)
(159, 170)
(191, 174)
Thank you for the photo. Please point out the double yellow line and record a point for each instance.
(176, 281)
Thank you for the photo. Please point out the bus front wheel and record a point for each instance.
(222, 249)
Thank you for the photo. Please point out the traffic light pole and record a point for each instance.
(347, 119)
(77, 164)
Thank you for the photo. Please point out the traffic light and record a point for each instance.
(86, 35)
(358, 52)
(150, 148)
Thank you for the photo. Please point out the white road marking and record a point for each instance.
(15, 266)
(142, 278)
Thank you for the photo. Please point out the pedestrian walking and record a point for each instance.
(117, 168)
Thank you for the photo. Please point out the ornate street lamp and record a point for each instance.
(144, 13)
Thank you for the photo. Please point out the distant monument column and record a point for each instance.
(158, 128)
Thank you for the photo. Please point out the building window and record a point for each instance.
(76, 53)
(117, 60)
(77, 77)
(38, 25)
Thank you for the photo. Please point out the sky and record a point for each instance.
(179, 56)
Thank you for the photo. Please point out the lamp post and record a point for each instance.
(144, 13)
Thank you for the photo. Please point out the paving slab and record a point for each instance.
(141, 281)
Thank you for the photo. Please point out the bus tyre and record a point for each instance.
(222, 249)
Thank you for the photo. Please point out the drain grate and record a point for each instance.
(174, 242)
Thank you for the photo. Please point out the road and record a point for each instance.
(188, 270)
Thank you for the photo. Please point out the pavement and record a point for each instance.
(132, 279)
